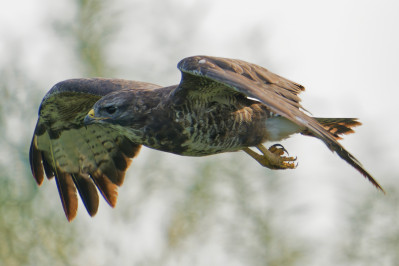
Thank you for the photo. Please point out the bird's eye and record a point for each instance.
(110, 109)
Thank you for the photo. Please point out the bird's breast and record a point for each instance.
(207, 130)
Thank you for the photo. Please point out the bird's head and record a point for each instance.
(122, 108)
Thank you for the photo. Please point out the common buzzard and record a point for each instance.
(89, 130)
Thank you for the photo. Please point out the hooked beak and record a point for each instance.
(90, 118)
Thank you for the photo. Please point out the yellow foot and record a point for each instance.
(272, 158)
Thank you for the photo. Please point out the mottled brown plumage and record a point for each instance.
(220, 105)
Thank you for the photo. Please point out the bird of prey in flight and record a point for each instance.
(89, 130)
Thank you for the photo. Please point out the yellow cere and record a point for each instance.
(91, 113)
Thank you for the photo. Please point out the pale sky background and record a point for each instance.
(346, 54)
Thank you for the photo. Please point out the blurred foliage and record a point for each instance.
(218, 209)
(89, 32)
(371, 232)
(30, 233)
(92, 30)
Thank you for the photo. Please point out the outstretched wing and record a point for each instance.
(80, 157)
(204, 76)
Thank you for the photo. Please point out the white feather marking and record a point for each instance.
(279, 128)
(300, 120)
(202, 61)
(253, 99)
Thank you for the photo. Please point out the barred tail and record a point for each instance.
(336, 126)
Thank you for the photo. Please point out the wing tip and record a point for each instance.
(107, 188)
(351, 160)
(35, 160)
(88, 192)
(68, 195)
(373, 181)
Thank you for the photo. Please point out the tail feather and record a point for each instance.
(336, 126)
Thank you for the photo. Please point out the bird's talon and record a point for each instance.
(272, 157)
(278, 149)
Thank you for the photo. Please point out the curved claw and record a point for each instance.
(280, 147)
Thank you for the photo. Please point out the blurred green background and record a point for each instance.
(218, 210)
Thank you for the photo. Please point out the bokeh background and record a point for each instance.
(224, 209)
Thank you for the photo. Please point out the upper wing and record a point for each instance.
(80, 156)
(204, 76)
